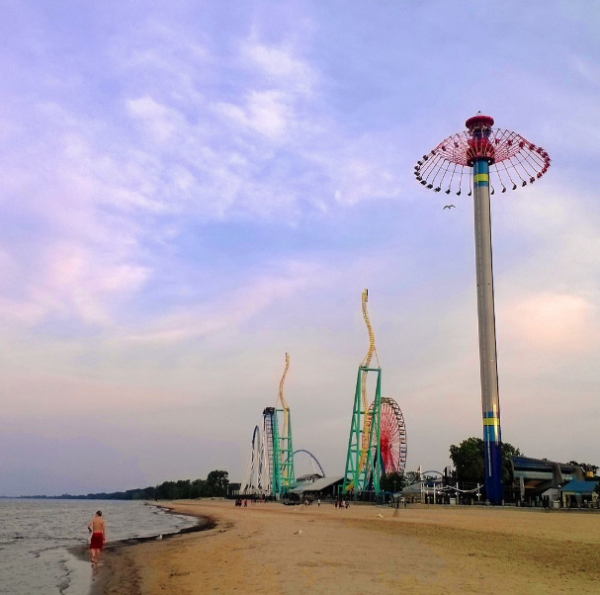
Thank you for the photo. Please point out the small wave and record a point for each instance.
(34, 543)
(65, 579)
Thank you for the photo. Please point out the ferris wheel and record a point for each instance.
(392, 437)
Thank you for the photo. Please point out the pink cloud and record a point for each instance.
(552, 322)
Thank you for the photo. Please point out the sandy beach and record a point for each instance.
(272, 549)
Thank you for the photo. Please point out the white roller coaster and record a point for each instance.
(257, 478)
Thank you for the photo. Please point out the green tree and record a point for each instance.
(217, 482)
(587, 467)
(469, 460)
(183, 489)
(412, 477)
(165, 491)
(392, 482)
(198, 488)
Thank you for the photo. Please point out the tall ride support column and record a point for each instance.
(490, 400)
(513, 161)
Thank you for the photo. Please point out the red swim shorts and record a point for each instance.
(97, 541)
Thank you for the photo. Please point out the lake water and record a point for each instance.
(35, 536)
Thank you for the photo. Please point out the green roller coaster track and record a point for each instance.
(363, 459)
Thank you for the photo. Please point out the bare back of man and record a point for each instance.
(97, 528)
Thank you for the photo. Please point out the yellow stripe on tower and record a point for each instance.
(481, 178)
(491, 421)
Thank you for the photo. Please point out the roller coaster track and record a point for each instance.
(270, 468)
(366, 363)
(257, 477)
(312, 456)
(284, 406)
(285, 448)
(372, 349)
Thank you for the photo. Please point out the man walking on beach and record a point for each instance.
(98, 530)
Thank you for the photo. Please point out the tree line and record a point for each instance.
(215, 485)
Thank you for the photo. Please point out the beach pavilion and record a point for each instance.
(326, 487)
(577, 493)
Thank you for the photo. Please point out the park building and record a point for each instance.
(579, 494)
(538, 478)
(535, 482)
(533, 477)
(308, 478)
(555, 484)
(323, 488)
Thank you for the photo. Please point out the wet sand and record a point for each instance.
(118, 571)
(273, 549)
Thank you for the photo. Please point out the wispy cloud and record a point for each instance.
(222, 313)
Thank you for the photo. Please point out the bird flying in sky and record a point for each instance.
(449, 207)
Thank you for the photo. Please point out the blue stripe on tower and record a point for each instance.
(492, 456)
(481, 173)
(493, 471)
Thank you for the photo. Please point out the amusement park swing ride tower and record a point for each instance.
(485, 156)
(377, 443)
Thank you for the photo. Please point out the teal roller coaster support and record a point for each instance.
(363, 459)
(285, 454)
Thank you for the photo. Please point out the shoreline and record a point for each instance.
(117, 565)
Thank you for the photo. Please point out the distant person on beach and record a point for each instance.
(98, 530)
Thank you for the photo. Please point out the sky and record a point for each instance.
(189, 190)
